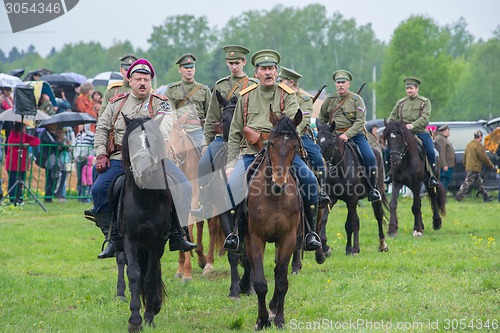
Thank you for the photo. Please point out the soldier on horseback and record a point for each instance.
(414, 111)
(348, 111)
(108, 144)
(250, 130)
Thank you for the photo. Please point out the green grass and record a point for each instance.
(51, 281)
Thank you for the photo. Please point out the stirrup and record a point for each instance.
(374, 195)
(315, 241)
(433, 182)
(229, 242)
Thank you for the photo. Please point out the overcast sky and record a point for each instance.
(109, 21)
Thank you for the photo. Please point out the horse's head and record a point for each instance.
(328, 141)
(396, 137)
(281, 147)
(143, 149)
(228, 107)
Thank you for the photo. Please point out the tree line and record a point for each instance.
(458, 73)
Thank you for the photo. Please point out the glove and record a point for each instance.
(102, 163)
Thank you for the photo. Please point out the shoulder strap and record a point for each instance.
(338, 107)
(243, 80)
(400, 111)
(189, 94)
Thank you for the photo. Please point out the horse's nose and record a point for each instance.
(276, 189)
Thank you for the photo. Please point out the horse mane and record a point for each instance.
(285, 125)
(408, 135)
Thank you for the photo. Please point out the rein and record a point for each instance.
(400, 153)
(330, 163)
(293, 132)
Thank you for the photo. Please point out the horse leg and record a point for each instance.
(438, 199)
(416, 209)
(319, 255)
(202, 261)
(393, 206)
(277, 304)
(121, 261)
(187, 267)
(234, 289)
(255, 252)
(246, 280)
(352, 228)
(378, 210)
(134, 277)
(154, 287)
(324, 219)
(213, 232)
(180, 265)
(296, 261)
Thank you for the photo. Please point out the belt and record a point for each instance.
(342, 130)
(264, 136)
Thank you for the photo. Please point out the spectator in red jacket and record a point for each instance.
(15, 170)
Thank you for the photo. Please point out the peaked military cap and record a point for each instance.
(290, 74)
(141, 66)
(127, 60)
(265, 57)
(412, 81)
(234, 52)
(187, 60)
(342, 75)
(443, 128)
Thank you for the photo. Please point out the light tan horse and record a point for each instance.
(184, 153)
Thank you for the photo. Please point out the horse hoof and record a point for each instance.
(133, 328)
(178, 275)
(121, 298)
(208, 269)
(320, 258)
(202, 263)
(295, 271)
(187, 279)
(392, 234)
(328, 253)
(234, 298)
(383, 249)
(417, 233)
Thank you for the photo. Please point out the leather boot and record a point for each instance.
(102, 221)
(89, 214)
(374, 194)
(313, 241)
(232, 241)
(324, 199)
(178, 238)
(433, 181)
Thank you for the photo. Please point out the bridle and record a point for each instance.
(401, 154)
(293, 132)
(335, 147)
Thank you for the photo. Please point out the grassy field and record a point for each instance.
(51, 281)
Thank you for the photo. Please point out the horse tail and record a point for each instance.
(218, 235)
(386, 209)
(160, 290)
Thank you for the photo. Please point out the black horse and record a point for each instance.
(146, 215)
(407, 167)
(345, 181)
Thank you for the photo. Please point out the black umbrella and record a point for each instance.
(64, 119)
(59, 80)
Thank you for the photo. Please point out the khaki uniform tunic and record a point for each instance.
(133, 108)
(351, 115)
(415, 111)
(224, 86)
(259, 100)
(196, 105)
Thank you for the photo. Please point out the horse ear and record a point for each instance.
(127, 119)
(333, 126)
(385, 122)
(272, 117)
(298, 117)
(222, 101)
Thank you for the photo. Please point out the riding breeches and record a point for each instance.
(314, 154)
(101, 184)
(428, 146)
(366, 150)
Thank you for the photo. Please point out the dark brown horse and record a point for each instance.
(274, 214)
(407, 167)
(145, 216)
(345, 182)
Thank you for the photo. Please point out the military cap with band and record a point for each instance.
(141, 66)
(265, 57)
(127, 60)
(443, 128)
(290, 74)
(235, 52)
(187, 60)
(411, 81)
(342, 75)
